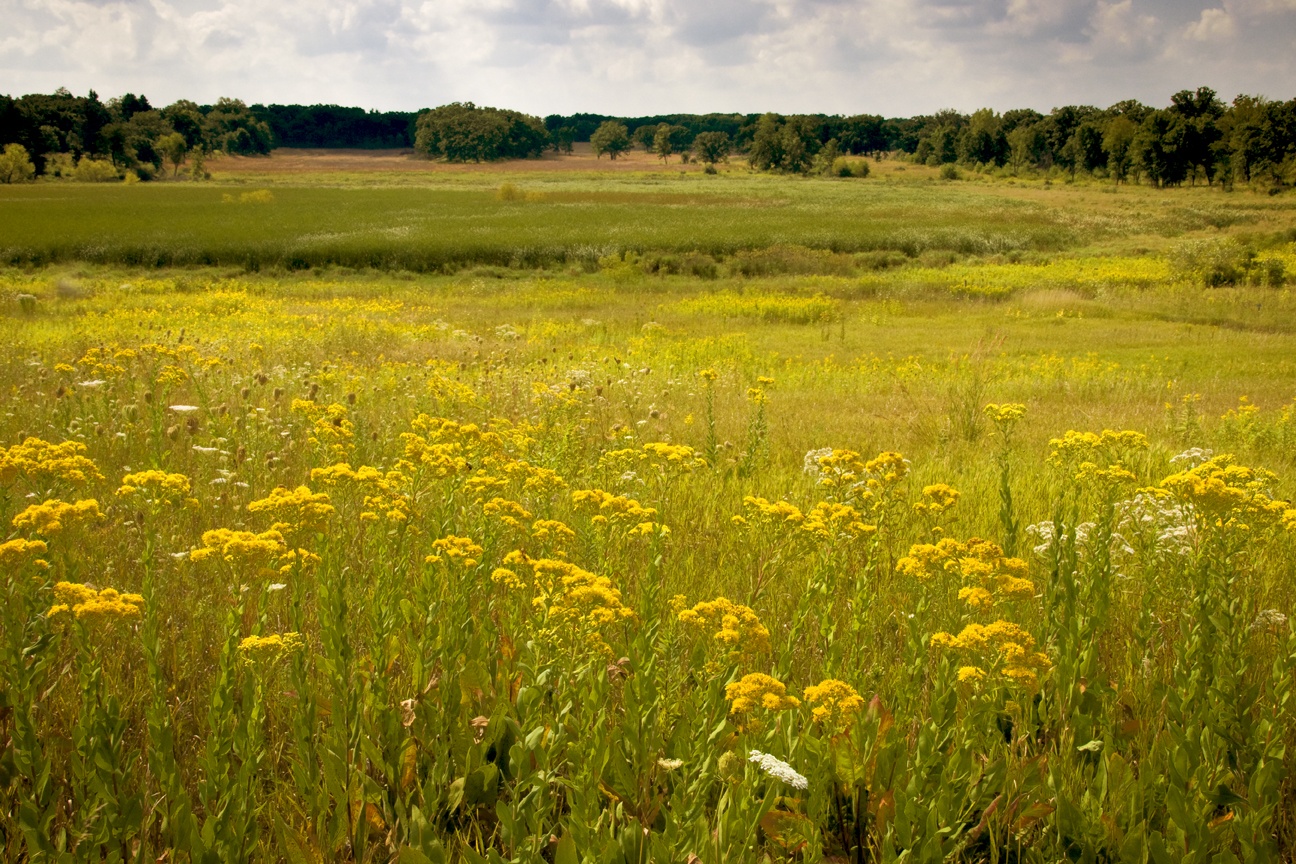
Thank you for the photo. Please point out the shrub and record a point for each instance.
(95, 171)
(15, 165)
(949, 171)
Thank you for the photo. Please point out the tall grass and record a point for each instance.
(558, 533)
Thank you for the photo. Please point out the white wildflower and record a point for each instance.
(778, 769)
(184, 409)
(1269, 619)
(670, 764)
(810, 465)
(1194, 456)
(92, 384)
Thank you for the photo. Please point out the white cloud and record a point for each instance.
(896, 57)
(1213, 25)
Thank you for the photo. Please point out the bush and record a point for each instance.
(95, 171)
(1213, 263)
(843, 167)
(61, 165)
(15, 165)
(949, 171)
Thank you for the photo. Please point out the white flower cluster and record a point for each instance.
(1194, 456)
(1171, 525)
(811, 465)
(778, 769)
(1044, 534)
(1269, 619)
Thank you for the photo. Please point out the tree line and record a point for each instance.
(1196, 138)
(60, 134)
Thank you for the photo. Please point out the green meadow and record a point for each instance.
(545, 516)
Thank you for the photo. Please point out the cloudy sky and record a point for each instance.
(634, 57)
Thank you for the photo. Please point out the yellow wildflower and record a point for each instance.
(737, 628)
(455, 550)
(54, 515)
(266, 650)
(758, 690)
(836, 704)
(95, 606)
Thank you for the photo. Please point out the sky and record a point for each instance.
(643, 57)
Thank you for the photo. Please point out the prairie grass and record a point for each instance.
(776, 549)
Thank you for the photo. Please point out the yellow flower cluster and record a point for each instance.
(384, 492)
(53, 516)
(737, 628)
(574, 603)
(1079, 447)
(455, 550)
(1001, 646)
(1005, 415)
(612, 507)
(1224, 490)
(986, 574)
(758, 690)
(13, 551)
(836, 704)
(91, 605)
(551, 529)
(674, 456)
(331, 427)
(834, 521)
(154, 485)
(242, 548)
(295, 509)
(511, 513)
(937, 498)
(38, 460)
(267, 650)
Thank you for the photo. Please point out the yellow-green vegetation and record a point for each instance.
(790, 553)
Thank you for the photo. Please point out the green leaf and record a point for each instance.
(566, 851)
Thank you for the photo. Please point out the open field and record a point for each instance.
(658, 544)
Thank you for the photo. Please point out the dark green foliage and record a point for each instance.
(462, 132)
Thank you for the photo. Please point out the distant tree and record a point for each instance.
(669, 139)
(766, 150)
(1160, 148)
(612, 138)
(645, 136)
(826, 159)
(662, 144)
(1025, 144)
(16, 165)
(982, 140)
(1088, 145)
(563, 139)
(1117, 143)
(462, 132)
(229, 126)
(174, 149)
(186, 118)
(1201, 111)
(712, 147)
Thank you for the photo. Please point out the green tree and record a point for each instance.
(16, 165)
(1025, 144)
(1117, 144)
(612, 138)
(174, 149)
(564, 138)
(645, 136)
(766, 150)
(463, 132)
(662, 144)
(712, 147)
(1160, 148)
(983, 140)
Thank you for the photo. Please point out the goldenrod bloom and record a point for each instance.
(758, 690)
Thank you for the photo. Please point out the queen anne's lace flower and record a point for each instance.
(778, 769)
